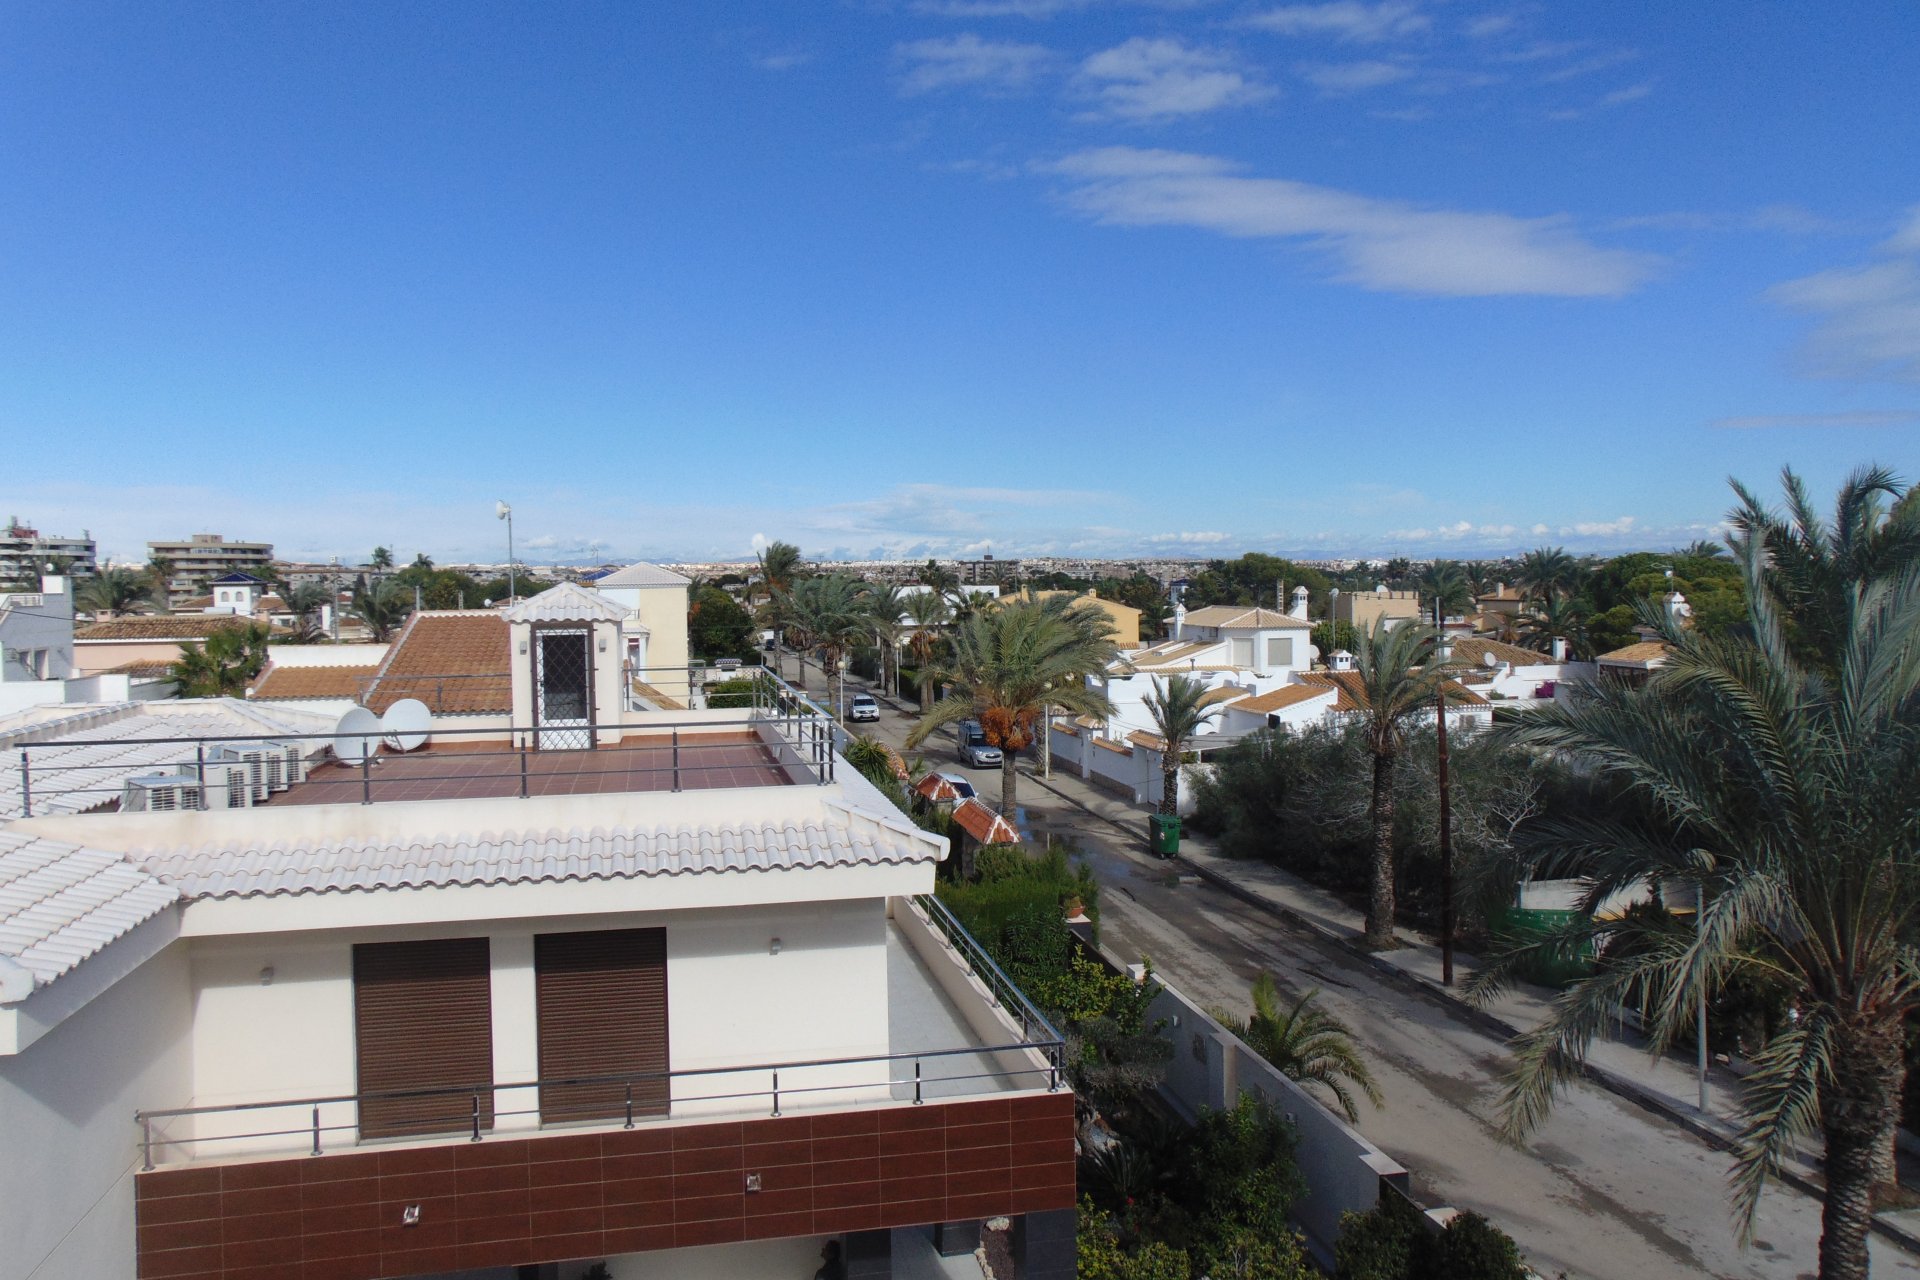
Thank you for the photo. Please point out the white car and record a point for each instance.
(863, 707)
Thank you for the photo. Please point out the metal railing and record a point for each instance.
(796, 743)
(474, 1109)
(1004, 992)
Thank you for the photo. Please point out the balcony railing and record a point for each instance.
(792, 741)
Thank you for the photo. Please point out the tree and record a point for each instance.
(829, 613)
(1446, 582)
(717, 626)
(885, 610)
(1554, 616)
(382, 607)
(1011, 662)
(1305, 1043)
(1331, 636)
(222, 666)
(780, 568)
(1179, 707)
(305, 602)
(422, 562)
(1701, 549)
(114, 591)
(928, 612)
(1397, 679)
(940, 579)
(1815, 565)
(1786, 785)
(381, 560)
(1547, 572)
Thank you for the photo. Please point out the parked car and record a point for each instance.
(960, 784)
(975, 750)
(863, 707)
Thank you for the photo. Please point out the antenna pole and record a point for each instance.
(513, 592)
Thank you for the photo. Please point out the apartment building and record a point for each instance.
(25, 553)
(534, 979)
(198, 560)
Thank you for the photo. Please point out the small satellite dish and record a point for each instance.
(357, 736)
(407, 724)
(1486, 660)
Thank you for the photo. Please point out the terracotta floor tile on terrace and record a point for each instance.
(476, 771)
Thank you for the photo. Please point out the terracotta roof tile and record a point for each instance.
(455, 662)
(1474, 649)
(312, 682)
(1287, 695)
(1646, 653)
(145, 669)
(160, 627)
(983, 824)
(1353, 693)
(1240, 615)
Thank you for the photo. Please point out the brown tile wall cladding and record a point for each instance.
(509, 1201)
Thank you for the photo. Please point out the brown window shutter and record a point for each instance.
(423, 1019)
(602, 1011)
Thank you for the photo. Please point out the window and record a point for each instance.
(602, 997)
(1242, 652)
(423, 1019)
(1279, 651)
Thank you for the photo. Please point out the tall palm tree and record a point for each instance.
(886, 623)
(1446, 581)
(1548, 571)
(1701, 549)
(1010, 663)
(1179, 707)
(780, 567)
(928, 612)
(1815, 565)
(305, 603)
(943, 580)
(829, 615)
(382, 607)
(159, 572)
(1554, 617)
(382, 560)
(1789, 796)
(1307, 1044)
(1395, 679)
(115, 590)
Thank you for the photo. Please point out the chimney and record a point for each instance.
(1678, 610)
(1299, 609)
(1559, 648)
(1341, 661)
(1179, 618)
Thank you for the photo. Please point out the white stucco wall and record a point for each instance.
(68, 1147)
(729, 1001)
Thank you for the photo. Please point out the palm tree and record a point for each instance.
(941, 579)
(928, 611)
(1010, 663)
(1548, 571)
(222, 666)
(1788, 792)
(1556, 617)
(829, 614)
(1306, 1044)
(1395, 678)
(1179, 707)
(382, 560)
(382, 607)
(115, 590)
(1701, 549)
(885, 607)
(159, 575)
(422, 561)
(780, 568)
(1813, 566)
(1446, 582)
(305, 603)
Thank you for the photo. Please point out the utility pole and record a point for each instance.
(1443, 651)
(1700, 1028)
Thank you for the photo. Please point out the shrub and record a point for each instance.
(730, 693)
(1471, 1248)
(1395, 1242)
(1378, 1244)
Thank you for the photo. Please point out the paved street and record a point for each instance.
(1605, 1190)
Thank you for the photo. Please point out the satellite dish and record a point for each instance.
(357, 736)
(1486, 660)
(407, 724)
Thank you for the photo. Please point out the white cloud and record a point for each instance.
(1845, 418)
(1351, 77)
(1385, 245)
(1537, 530)
(1618, 528)
(1491, 24)
(1632, 93)
(1348, 20)
(1197, 538)
(948, 62)
(1145, 79)
(783, 61)
(998, 8)
(1867, 318)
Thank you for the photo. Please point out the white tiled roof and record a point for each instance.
(568, 602)
(60, 902)
(641, 575)
(833, 836)
(75, 778)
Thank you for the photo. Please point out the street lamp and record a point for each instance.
(504, 512)
(1443, 651)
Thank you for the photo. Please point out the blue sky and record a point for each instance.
(1073, 276)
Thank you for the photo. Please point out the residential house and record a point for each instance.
(116, 643)
(1633, 664)
(38, 656)
(1362, 609)
(1124, 617)
(654, 628)
(566, 983)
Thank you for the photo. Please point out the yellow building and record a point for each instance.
(1125, 618)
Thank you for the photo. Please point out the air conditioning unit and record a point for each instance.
(301, 756)
(160, 793)
(266, 764)
(228, 786)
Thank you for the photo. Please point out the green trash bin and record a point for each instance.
(1165, 839)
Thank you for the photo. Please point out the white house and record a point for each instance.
(38, 665)
(538, 981)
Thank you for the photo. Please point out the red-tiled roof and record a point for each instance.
(454, 662)
(983, 824)
(160, 628)
(1286, 695)
(145, 669)
(937, 789)
(1474, 650)
(312, 682)
(1353, 692)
